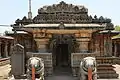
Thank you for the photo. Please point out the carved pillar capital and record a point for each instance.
(41, 44)
(83, 44)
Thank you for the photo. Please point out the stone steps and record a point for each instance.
(107, 76)
(106, 71)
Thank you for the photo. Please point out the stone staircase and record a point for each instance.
(105, 68)
(104, 65)
(106, 71)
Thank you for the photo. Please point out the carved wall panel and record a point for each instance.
(42, 44)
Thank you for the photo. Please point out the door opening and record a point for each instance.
(62, 55)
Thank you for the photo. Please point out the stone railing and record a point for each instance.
(4, 61)
(117, 60)
(106, 60)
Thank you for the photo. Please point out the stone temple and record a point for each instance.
(62, 34)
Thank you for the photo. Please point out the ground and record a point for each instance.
(4, 70)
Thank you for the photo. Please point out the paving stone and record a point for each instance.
(65, 75)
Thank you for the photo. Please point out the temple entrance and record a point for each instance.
(62, 55)
(62, 46)
(62, 61)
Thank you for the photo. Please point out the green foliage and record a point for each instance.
(115, 37)
(117, 28)
(6, 32)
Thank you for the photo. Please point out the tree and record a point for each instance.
(5, 33)
(117, 28)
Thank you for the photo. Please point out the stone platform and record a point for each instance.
(106, 71)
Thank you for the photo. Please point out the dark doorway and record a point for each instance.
(62, 55)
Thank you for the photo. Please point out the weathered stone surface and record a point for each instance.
(104, 65)
(106, 71)
(18, 60)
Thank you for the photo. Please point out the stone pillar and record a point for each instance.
(92, 45)
(83, 46)
(110, 47)
(97, 47)
(10, 50)
(41, 44)
(107, 47)
(0, 49)
(102, 47)
(6, 49)
(115, 49)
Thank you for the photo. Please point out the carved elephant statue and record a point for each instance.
(38, 65)
(86, 64)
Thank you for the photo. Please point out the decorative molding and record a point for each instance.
(62, 12)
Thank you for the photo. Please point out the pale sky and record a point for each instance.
(10, 10)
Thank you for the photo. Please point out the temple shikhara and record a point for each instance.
(62, 34)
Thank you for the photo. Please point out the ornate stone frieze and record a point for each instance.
(62, 7)
(62, 12)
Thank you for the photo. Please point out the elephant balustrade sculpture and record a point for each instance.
(88, 69)
(38, 65)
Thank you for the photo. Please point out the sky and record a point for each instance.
(10, 10)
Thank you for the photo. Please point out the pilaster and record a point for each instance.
(107, 46)
(6, 49)
(41, 44)
(115, 48)
(0, 49)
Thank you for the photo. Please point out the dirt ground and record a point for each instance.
(117, 69)
(4, 70)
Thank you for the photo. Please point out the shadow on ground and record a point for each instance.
(63, 73)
